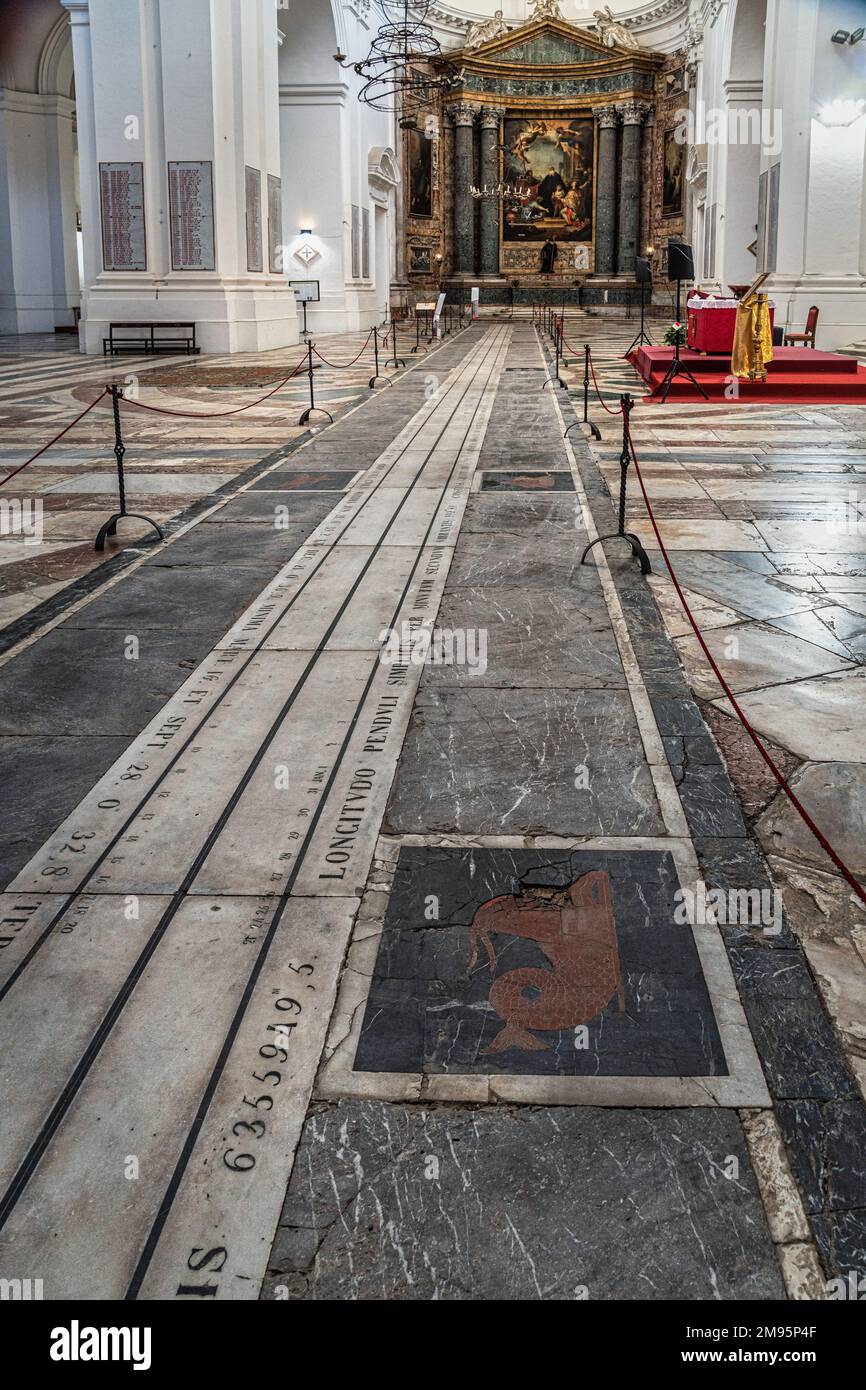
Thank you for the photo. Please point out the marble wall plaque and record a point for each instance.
(550, 963)
(254, 219)
(356, 243)
(365, 243)
(121, 191)
(773, 217)
(190, 192)
(275, 224)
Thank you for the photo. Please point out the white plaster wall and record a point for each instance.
(39, 281)
(38, 271)
(327, 136)
(157, 81)
(821, 239)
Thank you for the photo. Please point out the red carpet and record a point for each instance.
(795, 375)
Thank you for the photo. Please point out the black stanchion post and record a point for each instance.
(418, 347)
(110, 527)
(377, 376)
(556, 379)
(621, 534)
(313, 408)
(394, 361)
(593, 429)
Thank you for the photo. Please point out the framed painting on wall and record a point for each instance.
(674, 155)
(553, 156)
(420, 174)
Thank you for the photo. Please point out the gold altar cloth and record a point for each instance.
(753, 338)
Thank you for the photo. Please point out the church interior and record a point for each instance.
(432, 646)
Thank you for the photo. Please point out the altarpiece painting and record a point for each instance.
(553, 157)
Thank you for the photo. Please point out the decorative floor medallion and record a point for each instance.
(538, 963)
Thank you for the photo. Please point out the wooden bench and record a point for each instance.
(158, 337)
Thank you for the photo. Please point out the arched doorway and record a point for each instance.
(40, 283)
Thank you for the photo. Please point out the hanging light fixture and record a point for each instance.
(395, 72)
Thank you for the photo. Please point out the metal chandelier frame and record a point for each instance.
(394, 81)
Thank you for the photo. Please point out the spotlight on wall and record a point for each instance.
(305, 231)
(840, 36)
(856, 36)
(841, 112)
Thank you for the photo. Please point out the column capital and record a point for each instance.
(607, 116)
(463, 113)
(79, 10)
(490, 117)
(634, 112)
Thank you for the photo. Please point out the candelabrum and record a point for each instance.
(500, 192)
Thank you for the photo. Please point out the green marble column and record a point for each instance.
(633, 115)
(605, 208)
(490, 208)
(463, 115)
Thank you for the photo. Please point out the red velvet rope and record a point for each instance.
(339, 366)
(595, 384)
(213, 414)
(47, 446)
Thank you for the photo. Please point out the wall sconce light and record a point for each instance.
(305, 231)
(843, 36)
(841, 112)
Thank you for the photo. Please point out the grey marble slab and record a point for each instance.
(505, 761)
(73, 683)
(482, 561)
(43, 778)
(531, 637)
(453, 1204)
(155, 597)
(794, 1038)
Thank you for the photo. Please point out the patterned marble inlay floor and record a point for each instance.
(171, 463)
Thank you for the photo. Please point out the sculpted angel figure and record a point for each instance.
(612, 34)
(485, 30)
(545, 9)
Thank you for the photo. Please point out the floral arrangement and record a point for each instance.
(676, 335)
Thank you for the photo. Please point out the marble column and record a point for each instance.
(646, 166)
(490, 208)
(605, 214)
(633, 115)
(463, 115)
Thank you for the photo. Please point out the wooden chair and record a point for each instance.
(807, 338)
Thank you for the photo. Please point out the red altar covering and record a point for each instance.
(711, 324)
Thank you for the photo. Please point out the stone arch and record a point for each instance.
(55, 74)
(39, 242)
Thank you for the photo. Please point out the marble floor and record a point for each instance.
(175, 464)
(763, 511)
(358, 841)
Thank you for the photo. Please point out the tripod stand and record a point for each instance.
(678, 368)
(643, 336)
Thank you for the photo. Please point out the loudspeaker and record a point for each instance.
(681, 265)
(642, 272)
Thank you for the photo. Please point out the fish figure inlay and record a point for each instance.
(578, 937)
